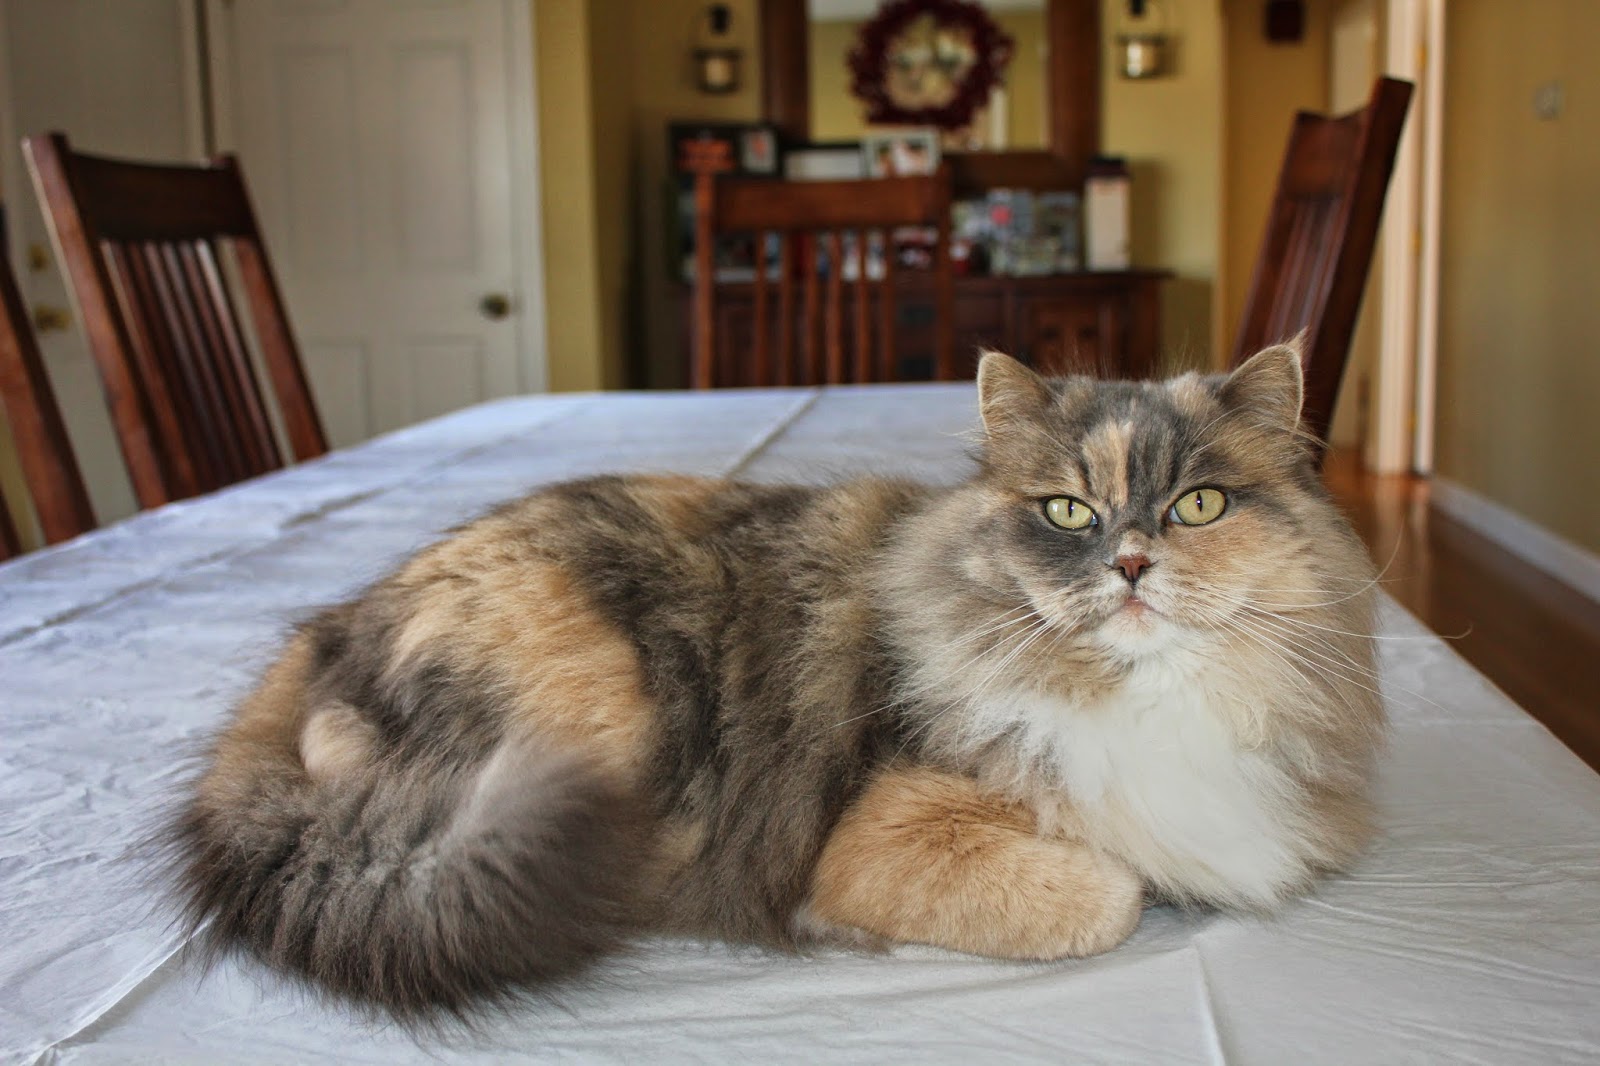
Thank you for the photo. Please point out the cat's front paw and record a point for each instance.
(927, 857)
(1097, 902)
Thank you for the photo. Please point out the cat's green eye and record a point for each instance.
(1199, 506)
(1069, 513)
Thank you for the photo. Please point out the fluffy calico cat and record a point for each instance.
(1129, 659)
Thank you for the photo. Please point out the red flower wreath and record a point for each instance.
(869, 58)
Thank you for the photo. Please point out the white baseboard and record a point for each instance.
(1534, 544)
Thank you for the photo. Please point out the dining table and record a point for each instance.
(1468, 932)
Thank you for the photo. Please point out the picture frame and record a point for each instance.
(900, 153)
(740, 149)
(748, 149)
(824, 161)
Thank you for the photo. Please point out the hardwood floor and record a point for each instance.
(1533, 636)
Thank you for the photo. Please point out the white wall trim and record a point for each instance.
(1432, 118)
(1389, 445)
(527, 204)
(1572, 565)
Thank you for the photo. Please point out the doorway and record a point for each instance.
(121, 77)
(391, 150)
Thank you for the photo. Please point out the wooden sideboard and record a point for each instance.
(1103, 323)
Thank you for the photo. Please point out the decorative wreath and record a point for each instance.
(869, 61)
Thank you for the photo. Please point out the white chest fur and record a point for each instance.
(1161, 778)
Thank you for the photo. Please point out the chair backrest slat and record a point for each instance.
(786, 270)
(863, 343)
(833, 317)
(1319, 239)
(814, 219)
(761, 365)
(10, 542)
(279, 351)
(48, 467)
(886, 323)
(153, 373)
(140, 243)
(209, 421)
(812, 373)
(219, 325)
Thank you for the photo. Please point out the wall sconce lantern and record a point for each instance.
(716, 57)
(1144, 39)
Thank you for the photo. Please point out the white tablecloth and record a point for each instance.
(1470, 933)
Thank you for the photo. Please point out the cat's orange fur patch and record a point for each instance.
(675, 500)
(1105, 452)
(264, 732)
(568, 675)
(925, 856)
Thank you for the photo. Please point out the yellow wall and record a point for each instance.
(583, 85)
(1519, 322)
(836, 114)
(566, 174)
(1170, 129)
(664, 90)
(1265, 85)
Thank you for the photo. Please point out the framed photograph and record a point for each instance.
(742, 149)
(900, 154)
(758, 150)
(825, 161)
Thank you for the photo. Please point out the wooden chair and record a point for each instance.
(1314, 258)
(48, 467)
(809, 219)
(143, 248)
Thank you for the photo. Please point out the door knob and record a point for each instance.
(47, 319)
(496, 305)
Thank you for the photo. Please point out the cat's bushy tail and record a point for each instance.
(427, 892)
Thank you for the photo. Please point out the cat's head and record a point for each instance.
(1142, 515)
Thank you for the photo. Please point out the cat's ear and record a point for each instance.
(1009, 393)
(1271, 384)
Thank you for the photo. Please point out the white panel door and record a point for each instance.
(378, 140)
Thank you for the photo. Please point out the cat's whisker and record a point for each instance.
(1329, 669)
(948, 675)
(995, 673)
(1254, 639)
(1297, 640)
(1211, 590)
(907, 695)
(1025, 640)
(1376, 579)
(1261, 609)
(1295, 628)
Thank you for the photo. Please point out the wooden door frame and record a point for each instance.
(522, 120)
(1432, 215)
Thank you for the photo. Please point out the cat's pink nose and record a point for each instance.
(1132, 566)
